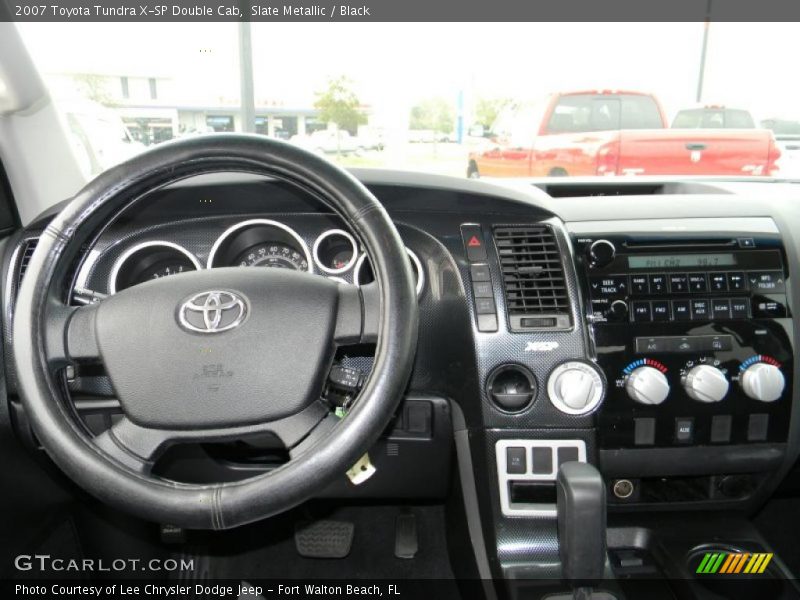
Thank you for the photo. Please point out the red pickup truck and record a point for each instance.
(614, 133)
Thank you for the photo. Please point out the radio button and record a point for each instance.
(739, 308)
(641, 312)
(658, 284)
(737, 282)
(700, 310)
(610, 286)
(718, 282)
(721, 308)
(766, 281)
(639, 285)
(678, 283)
(770, 309)
(697, 282)
(681, 310)
(660, 310)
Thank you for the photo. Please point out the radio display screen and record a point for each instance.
(675, 261)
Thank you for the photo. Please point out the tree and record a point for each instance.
(435, 114)
(94, 88)
(487, 109)
(338, 104)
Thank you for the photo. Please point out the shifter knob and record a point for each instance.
(581, 510)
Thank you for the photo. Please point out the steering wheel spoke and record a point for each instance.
(71, 335)
(139, 447)
(134, 446)
(358, 314)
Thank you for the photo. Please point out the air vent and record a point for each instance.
(25, 253)
(533, 277)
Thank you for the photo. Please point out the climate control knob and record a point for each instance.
(647, 385)
(575, 388)
(763, 382)
(705, 383)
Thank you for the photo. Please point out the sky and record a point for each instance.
(749, 65)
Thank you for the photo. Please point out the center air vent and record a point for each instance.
(25, 253)
(533, 277)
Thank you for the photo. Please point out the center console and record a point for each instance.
(693, 332)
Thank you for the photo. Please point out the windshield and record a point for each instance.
(711, 118)
(469, 99)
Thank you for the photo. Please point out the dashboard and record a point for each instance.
(646, 328)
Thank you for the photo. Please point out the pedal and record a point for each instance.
(198, 558)
(323, 539)
(406, 543)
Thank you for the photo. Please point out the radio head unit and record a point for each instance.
(647, 280)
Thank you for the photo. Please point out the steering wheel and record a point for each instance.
(213, 355)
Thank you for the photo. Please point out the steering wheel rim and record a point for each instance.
(48, 333)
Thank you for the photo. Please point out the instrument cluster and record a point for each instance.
(268, 243)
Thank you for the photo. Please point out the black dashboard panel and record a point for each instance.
(471, 326)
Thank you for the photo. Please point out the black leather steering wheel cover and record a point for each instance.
(217, 506)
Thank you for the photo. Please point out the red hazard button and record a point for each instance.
(473, 243)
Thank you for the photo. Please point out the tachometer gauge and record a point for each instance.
(165, 268)
(149, 261)
(278, 256)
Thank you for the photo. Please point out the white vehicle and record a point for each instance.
(329, 141)
(98, 135)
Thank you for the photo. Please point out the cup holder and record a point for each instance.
(742, 586)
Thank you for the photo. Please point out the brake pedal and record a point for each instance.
(323, 539)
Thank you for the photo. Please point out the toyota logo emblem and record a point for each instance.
(213, 312)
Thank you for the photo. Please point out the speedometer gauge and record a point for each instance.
(278, 256)
(260, 243)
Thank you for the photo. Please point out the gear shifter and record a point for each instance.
(581, 506)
